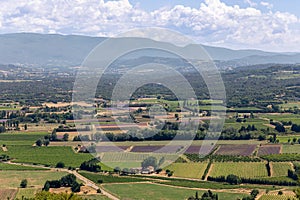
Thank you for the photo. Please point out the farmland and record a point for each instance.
(291, 149)
(157, 192)
(35, 178)
(188, 170)
(46, 155)
(7, 193)
(238, 150)
(280, 168)
(277, 197)
(268, 150)
(4, 166)
(246, 170)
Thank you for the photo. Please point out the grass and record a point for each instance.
(34, 178)
(110, 178)
(4, 166)
(47, 155)
(280, 168)
(241, 169)
(145, 191)
(188, 170)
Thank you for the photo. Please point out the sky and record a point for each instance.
(270, 25)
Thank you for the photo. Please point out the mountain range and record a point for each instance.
(70, 50)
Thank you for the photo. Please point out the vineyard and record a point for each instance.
(280, 168)
(241, 169)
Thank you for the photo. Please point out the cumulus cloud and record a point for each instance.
(213, 22)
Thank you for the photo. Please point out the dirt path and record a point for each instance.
(209, 170)
(271, 169)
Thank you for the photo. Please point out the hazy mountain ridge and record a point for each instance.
(59, 50)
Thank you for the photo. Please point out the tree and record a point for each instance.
(39, 142)
(117, 169)
(233, 179)
(66, 137)
(46, 186)
(60, 165)
(25, 127)
(150, 161)
(75, 187)
(23, 183)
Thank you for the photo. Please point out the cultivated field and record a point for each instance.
(188, 170)
(291, 148)
(241, 169)
(280, 168)
(276, 197)
(34, 178)
(157, 192)
(47, 155)
(7, 193)
(238, 150)
(269, 150)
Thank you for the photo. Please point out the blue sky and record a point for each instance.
(272, 25)
(278, 5)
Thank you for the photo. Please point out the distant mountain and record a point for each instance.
(59, 50)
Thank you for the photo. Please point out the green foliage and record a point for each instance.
(23, 183)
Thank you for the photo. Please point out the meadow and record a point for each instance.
(241, 169)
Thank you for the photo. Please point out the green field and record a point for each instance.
(188, 170)
(285, 138)
(241, 169)
(280, 168)
(110, 178)
(20, 138)
(276, 197)
(47, 155)
(4, 166)
(295, 118)
(34, 178)
(145, 191)
(291, 148)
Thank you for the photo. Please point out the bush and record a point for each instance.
(60, 165)
(23, 183)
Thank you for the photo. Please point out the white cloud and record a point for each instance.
(213, 23)
(266, 4)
